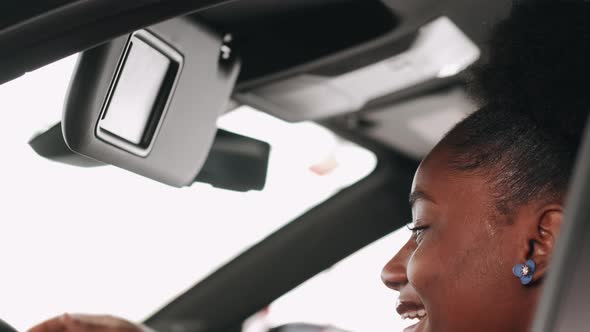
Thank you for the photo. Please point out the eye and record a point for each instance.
(417, 231)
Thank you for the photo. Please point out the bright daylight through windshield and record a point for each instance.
(102, 240)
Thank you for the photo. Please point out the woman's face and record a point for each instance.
(455, 270)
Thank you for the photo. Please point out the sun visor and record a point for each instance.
(149, 102)
(441, 50)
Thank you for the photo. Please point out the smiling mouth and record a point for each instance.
(412, 310)
(418, 314)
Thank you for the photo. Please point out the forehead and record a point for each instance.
(448, 187)
(433, 169)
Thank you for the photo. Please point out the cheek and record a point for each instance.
(424, 269)
(454, 265)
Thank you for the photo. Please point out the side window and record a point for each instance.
(348, 297)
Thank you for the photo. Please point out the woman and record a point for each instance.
(486, 215)
(487, 202)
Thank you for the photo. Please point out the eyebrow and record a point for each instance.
(419, 195)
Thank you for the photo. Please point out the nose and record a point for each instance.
(394, 274)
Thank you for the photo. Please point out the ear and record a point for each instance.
(542, 240)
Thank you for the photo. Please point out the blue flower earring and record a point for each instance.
(525, 271)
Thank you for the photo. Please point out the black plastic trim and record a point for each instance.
(80, 25)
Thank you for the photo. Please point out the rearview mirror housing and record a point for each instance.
(149, 102)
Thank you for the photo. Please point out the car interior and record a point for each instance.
(328, 62)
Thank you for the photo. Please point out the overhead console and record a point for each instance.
(273, 37)
(310, 60)
(439, 51)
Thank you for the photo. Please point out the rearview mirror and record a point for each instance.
(149, 102)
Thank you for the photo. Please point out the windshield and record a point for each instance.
(103, 240)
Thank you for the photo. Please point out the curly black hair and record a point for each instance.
(534, 93)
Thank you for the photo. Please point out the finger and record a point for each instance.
(96, 323)
(55, 324)
(84, 323)
(84, 319)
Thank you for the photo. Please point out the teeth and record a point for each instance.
(414, 314)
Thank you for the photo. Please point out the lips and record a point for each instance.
(418, 327)
(412, 310)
